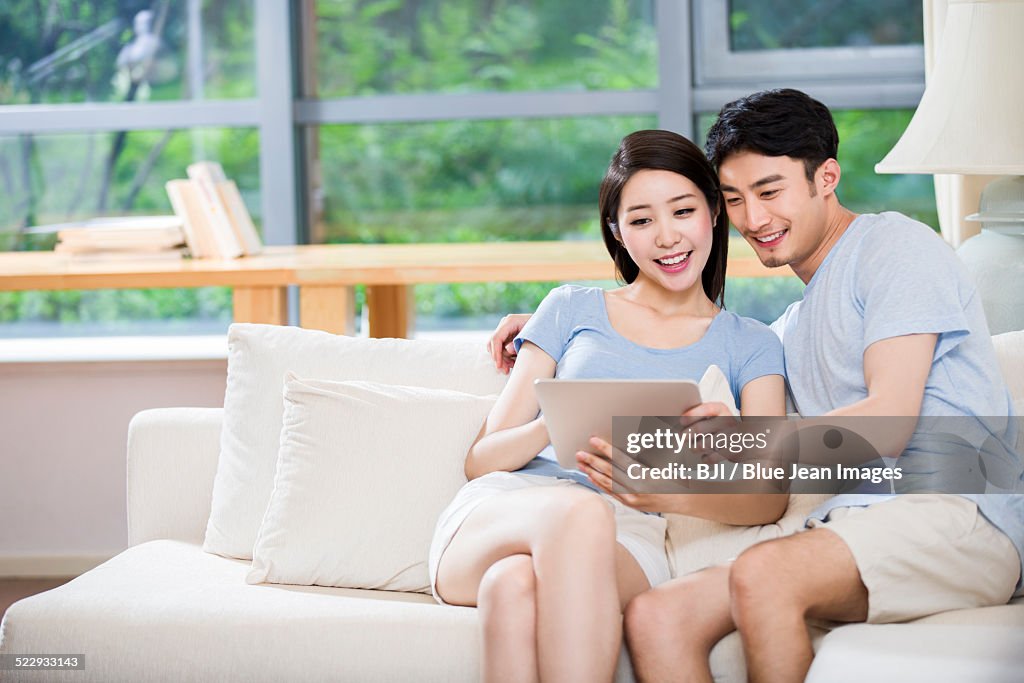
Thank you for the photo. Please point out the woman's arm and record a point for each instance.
(513, 433)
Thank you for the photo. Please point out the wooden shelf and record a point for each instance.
(325, 275)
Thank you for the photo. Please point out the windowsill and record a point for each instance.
(156, 348)
(105, 349)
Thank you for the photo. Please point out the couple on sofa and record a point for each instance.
(889, 324)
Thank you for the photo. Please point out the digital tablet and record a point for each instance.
(577, 409)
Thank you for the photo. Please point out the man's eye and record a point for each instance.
(767, 194)
(732, 201)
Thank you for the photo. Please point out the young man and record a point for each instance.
(889, 324)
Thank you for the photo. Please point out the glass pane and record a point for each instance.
(57, 178)
(365, 47)
(115, 51)
(464, 181)
(783, 24)
(115, 312)
(865, 136)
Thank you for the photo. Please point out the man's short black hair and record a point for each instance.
(775, 123)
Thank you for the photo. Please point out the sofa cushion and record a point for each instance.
(897, 653)
(363, 473)
(258, 358)
(694, 544)
(167, 611)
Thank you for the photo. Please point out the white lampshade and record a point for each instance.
(971, 116)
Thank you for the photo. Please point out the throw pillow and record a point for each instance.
(363, 473)
(258, 358)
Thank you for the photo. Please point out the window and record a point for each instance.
(101, 103)
(98, 51)
(440, 46)
(409, 120)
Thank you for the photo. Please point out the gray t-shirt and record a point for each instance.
(571, 325)
(889, 276)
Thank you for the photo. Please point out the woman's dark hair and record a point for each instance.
(662, 150)
(775, 123)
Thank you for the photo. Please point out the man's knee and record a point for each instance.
(648, 615)
(761, 576)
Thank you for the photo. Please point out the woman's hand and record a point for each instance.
(500, 346)
(602, 473)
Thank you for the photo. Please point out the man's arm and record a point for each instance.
(500, 344)
(895, 373)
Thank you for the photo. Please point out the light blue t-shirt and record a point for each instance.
(571, 325)
(889, 276)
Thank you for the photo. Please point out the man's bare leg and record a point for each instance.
(671, 629)
(776, 585)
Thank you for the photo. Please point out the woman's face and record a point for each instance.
(666, 226)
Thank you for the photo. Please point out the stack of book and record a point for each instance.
(131, 238)
(214, 218)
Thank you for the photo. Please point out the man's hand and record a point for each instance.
(500, 345)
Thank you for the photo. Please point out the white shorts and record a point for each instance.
(641, 534)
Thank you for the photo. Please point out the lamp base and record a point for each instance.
(996, 261)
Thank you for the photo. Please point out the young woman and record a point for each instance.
(548, 558)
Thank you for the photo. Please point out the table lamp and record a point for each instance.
(971, 121)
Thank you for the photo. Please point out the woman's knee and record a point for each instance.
(580, 516)
(508, 584)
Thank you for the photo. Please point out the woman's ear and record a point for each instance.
(614, 227)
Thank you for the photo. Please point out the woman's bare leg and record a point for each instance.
(508, 613)
(569, 536)
(672, 628)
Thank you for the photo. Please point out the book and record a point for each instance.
(119, 239)
(221, 228)
(185, 199)
(112, 223)
(123, 256)
(241, 221)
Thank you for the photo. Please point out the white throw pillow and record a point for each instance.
(363, 472)
(258, 358)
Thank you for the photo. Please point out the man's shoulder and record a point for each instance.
(893, 226)
(779, 326)
(891, 239)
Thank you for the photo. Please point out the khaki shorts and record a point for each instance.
(922, 554)
(641, 534)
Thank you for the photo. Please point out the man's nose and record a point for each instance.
(756, 215)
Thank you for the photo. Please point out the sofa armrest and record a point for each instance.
(172, 460)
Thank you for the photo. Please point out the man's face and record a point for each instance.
(771, 203)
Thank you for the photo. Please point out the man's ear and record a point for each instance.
(827, 177)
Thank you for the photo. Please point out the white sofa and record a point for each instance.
(165, 610)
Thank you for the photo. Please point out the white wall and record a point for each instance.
(63, 430)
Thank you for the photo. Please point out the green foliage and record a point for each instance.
(781, 24)
(505, 179)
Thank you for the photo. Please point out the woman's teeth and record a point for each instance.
(674, 260)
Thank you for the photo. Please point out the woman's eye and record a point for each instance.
(684, 212)
(640, 222)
